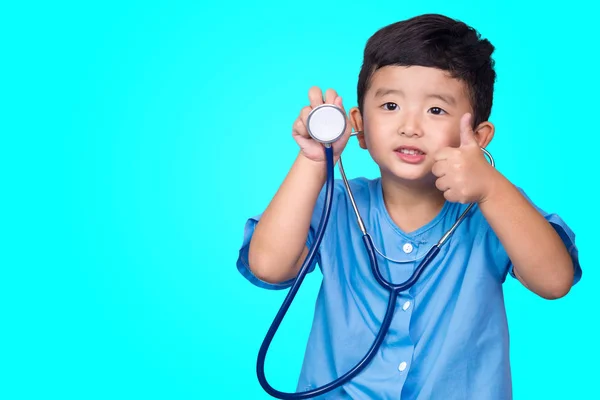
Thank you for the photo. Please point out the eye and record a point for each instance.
(437, 111)
(390, 106)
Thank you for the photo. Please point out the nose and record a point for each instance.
(410, 124)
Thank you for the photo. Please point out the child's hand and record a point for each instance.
(464, 175)
(309, 147)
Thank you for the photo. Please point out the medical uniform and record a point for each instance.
(449, 336)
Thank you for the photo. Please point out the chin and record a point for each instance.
(417, 177)
(411, 172)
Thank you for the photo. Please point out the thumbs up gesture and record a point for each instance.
(463, 174)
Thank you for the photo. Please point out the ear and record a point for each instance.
(484, 133)
(357, 124)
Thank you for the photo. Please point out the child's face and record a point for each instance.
(418, 107)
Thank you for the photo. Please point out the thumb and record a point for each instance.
(467, 136)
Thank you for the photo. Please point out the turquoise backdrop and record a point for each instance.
(137, 138)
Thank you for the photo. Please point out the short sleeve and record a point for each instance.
(563, 230)
(242, 261)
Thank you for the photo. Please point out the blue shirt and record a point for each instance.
(449, 336)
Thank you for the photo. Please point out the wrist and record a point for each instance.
(493, 186)
(312, 167)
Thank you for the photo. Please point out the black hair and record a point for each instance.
(433, 40)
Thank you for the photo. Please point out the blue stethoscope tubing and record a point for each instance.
(394, 290)
(389, 314)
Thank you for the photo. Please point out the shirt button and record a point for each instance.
(402, 366)
(406, 305)
(407, 248)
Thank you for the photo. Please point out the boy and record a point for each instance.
(424, 97)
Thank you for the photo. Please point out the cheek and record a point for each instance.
(371, 134)
(374, 139)
(444, 135)
(450, 141)
(444, 143)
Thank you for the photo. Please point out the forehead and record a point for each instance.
(417, 80)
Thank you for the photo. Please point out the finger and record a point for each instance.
(440, 168)
(304, 114)
(467, 136)
(444, 153)
(443, 184)
(340, 103)
(315, 96)
(299, 129)
(450, 195)
(330, 96)
(299, 126)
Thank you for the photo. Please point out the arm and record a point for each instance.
(540, 259)
(277, 249)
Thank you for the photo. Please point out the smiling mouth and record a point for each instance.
(410, 151)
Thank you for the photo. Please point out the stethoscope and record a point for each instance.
(326, 124)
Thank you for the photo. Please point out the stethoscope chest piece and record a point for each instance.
(326, 123)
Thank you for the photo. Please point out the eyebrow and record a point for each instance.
(383, 91)
(447, 98)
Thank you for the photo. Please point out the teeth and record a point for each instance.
(411, 152)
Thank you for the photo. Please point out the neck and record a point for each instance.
(411, 204)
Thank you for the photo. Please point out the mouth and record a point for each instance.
(410, 150)
(410, 154)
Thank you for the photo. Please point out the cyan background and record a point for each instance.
(138, 137)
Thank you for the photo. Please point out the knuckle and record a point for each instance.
(304, 112)
(298, 127)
